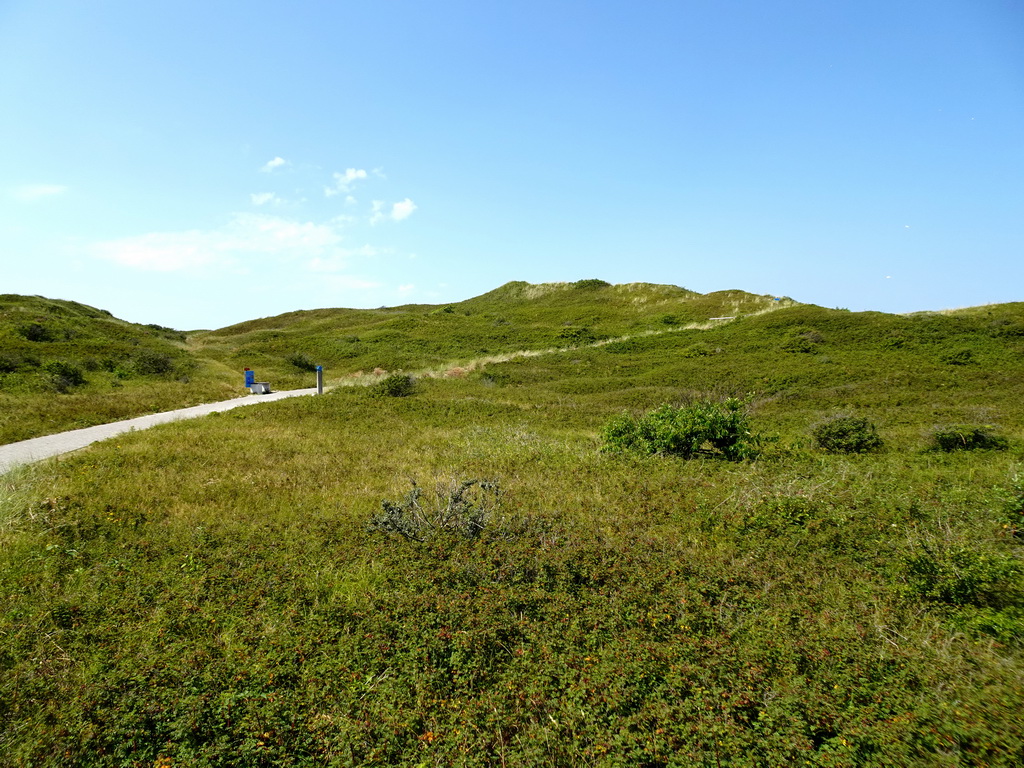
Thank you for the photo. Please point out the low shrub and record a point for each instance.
(35, 332)
(462, 508)
(962, 577)
(959, 357)
(1013, 506)
(395, 385)
(965, 437)
(702, 428)
(302, 361)
(846, 434)
(149, 362)
(582, 335)
(63, 376)
(9, 363)
(803, 340)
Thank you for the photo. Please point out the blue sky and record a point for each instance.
(196, 164)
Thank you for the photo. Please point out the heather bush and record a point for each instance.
(302, 361)
(702, 428)
(63, 376)
(394, 385)
(965, 437)
(846, 434)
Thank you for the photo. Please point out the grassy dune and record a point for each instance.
(221, 591)
(64, 365)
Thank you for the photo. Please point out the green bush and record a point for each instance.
(63, 376)
(961, 577)
(803, 340)
(9, 363)
(965, 437)
(35, 332)
(149, 362)
(846, 434)
(959, 357)
(702, 428)
(302, 361)
(395, 385)
(582, 335)
(1013, 506)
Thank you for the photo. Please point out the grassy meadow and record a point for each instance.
(466, 575)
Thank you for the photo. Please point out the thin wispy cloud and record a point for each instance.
(271, 165)
(343, 182)
(246, 239)
(342, 258)
(262, 198)
(30, 193)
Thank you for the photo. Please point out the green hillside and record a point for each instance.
(65, 365)
(517, 316)
(478, 573)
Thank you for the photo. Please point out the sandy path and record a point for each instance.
(47, 446)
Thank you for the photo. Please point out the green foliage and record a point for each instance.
(702, 428)
(577, 336)
(959, 357)
(1012, 506)
(965, 437)
(394, 385)
(63, 376)
(302, 361)
(35, 332)
(964, 577)
(589, 285)
(803, 340)
(147, 362)
(462, 508)
(846, 434)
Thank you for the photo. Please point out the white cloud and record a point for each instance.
(403, 210)
(343, 181)
(270, 165)
(399, 211)
(247, 237)
(405, 290)
(262, 198)
(29, 193)
(341, 258)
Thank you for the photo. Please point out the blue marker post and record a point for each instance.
(319, 379)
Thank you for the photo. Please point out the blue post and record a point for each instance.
(250, 377)
(319, 379)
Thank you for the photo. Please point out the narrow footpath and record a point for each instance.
(39, 448)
